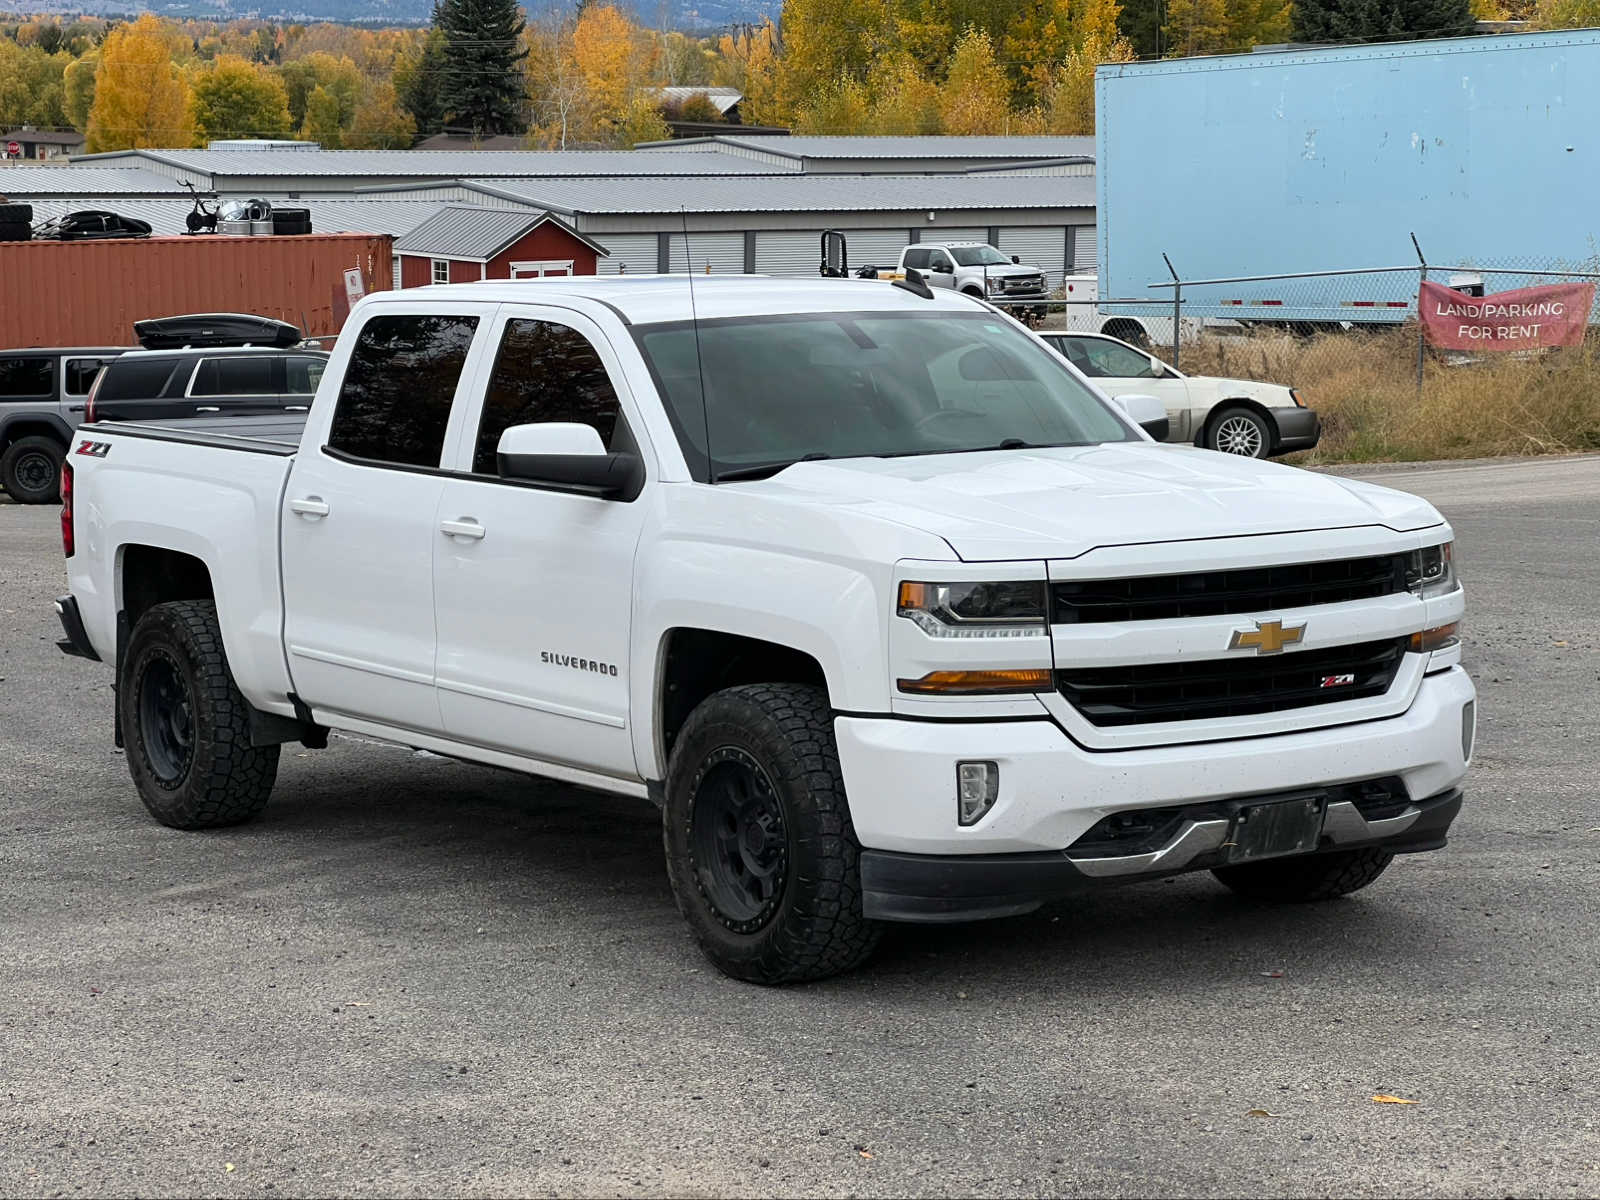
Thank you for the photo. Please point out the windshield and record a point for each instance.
(979, 256)
(851, 385)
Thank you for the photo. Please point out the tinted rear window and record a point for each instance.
(80, 373)
(246, 375)
(27, 377)
(394, 401)
(304, 374)
(137, 379)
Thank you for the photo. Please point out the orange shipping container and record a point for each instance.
(91, 293)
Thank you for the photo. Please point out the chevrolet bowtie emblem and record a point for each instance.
(1268, 637)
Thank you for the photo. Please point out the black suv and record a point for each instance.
(165, 385)
(43, 394)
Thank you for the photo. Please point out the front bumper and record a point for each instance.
(1298, 429)
(900, 775)
(929, 888)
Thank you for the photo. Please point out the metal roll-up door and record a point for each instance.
(955, 235)
(875, 247)
(1085, 260)
(636, 251)
(790, 253)
(1038, 245)
(723, 252)
(793, 254)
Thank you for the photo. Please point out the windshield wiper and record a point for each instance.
(1006, 444)
(765, 470)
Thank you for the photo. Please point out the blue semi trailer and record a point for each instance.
(1486, 148)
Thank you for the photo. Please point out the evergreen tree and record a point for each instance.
(481, 83)
(417, 80)
(1379, 20)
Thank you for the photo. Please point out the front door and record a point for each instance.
(533, 586)
(359, 522)
(1120, 370)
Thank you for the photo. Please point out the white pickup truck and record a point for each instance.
(894, 615)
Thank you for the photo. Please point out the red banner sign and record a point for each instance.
(1524, 319)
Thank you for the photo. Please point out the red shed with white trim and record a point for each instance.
(463, 244)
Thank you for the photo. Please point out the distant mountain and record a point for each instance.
(688, 15)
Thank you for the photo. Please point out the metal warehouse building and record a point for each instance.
(772, 225)
(878, 155)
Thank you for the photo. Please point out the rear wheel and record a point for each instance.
(30, 470)
(1319, 877)
(761, 853)
(1240, 431)
(186, 726)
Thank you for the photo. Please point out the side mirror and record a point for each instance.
(1148, 413)
(939, 268)
(1016, 258)
(568, 455)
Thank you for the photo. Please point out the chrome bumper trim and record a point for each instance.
(1193, 840)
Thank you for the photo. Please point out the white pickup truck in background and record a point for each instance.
(894, 615)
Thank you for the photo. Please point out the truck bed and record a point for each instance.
(276, 433)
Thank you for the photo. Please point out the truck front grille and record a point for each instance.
(1231, 687)
(1222, 593)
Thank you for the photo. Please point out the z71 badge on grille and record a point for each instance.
(1268, 637)
(1332, 681)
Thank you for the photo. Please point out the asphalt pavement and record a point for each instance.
(416, 977)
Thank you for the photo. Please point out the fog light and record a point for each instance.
(977, 787)
(1469, 727)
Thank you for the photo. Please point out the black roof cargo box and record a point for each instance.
(215, 329)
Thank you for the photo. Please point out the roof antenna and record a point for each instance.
(699, 362)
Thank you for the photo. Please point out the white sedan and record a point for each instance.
(1236, 416)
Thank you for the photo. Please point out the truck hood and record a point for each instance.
(1066, 501)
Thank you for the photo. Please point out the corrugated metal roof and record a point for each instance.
(1006, 149)
(460, 231)
(393, 217)
(439, 164)
(722, 98)
(25, 182)
(796, 193)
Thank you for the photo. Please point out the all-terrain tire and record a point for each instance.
(186, 727)
(779, 736)
(16, 214)
(30, 470)
(1298, 879)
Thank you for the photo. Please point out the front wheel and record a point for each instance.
(760, 850)
(1296, 879)
(30, 470)
(186, 726)
(1240, 431)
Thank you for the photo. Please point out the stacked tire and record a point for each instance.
(16, 222)
(290, 221)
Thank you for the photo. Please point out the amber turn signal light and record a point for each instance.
(977, 683)
(1440, 637)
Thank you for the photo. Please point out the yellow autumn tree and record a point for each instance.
(1036, 37)
(749, 61)
(841, 107)
(617, 62)
(905, 100)
(140, 100)
(976, 94)
(1067, 102)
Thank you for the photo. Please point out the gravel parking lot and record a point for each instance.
(416, 977)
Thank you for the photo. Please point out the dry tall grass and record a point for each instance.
(1364, 385)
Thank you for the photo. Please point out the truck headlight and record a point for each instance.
(1431, 571)
(991, 286)
(975, 610)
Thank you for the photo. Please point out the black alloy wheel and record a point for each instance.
(738, 841)
(166, 719)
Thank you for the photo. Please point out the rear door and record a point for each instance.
(237, 385)
(302, 373)
(137, 388)
(360, 519)
(27, 383)
(77, 377)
